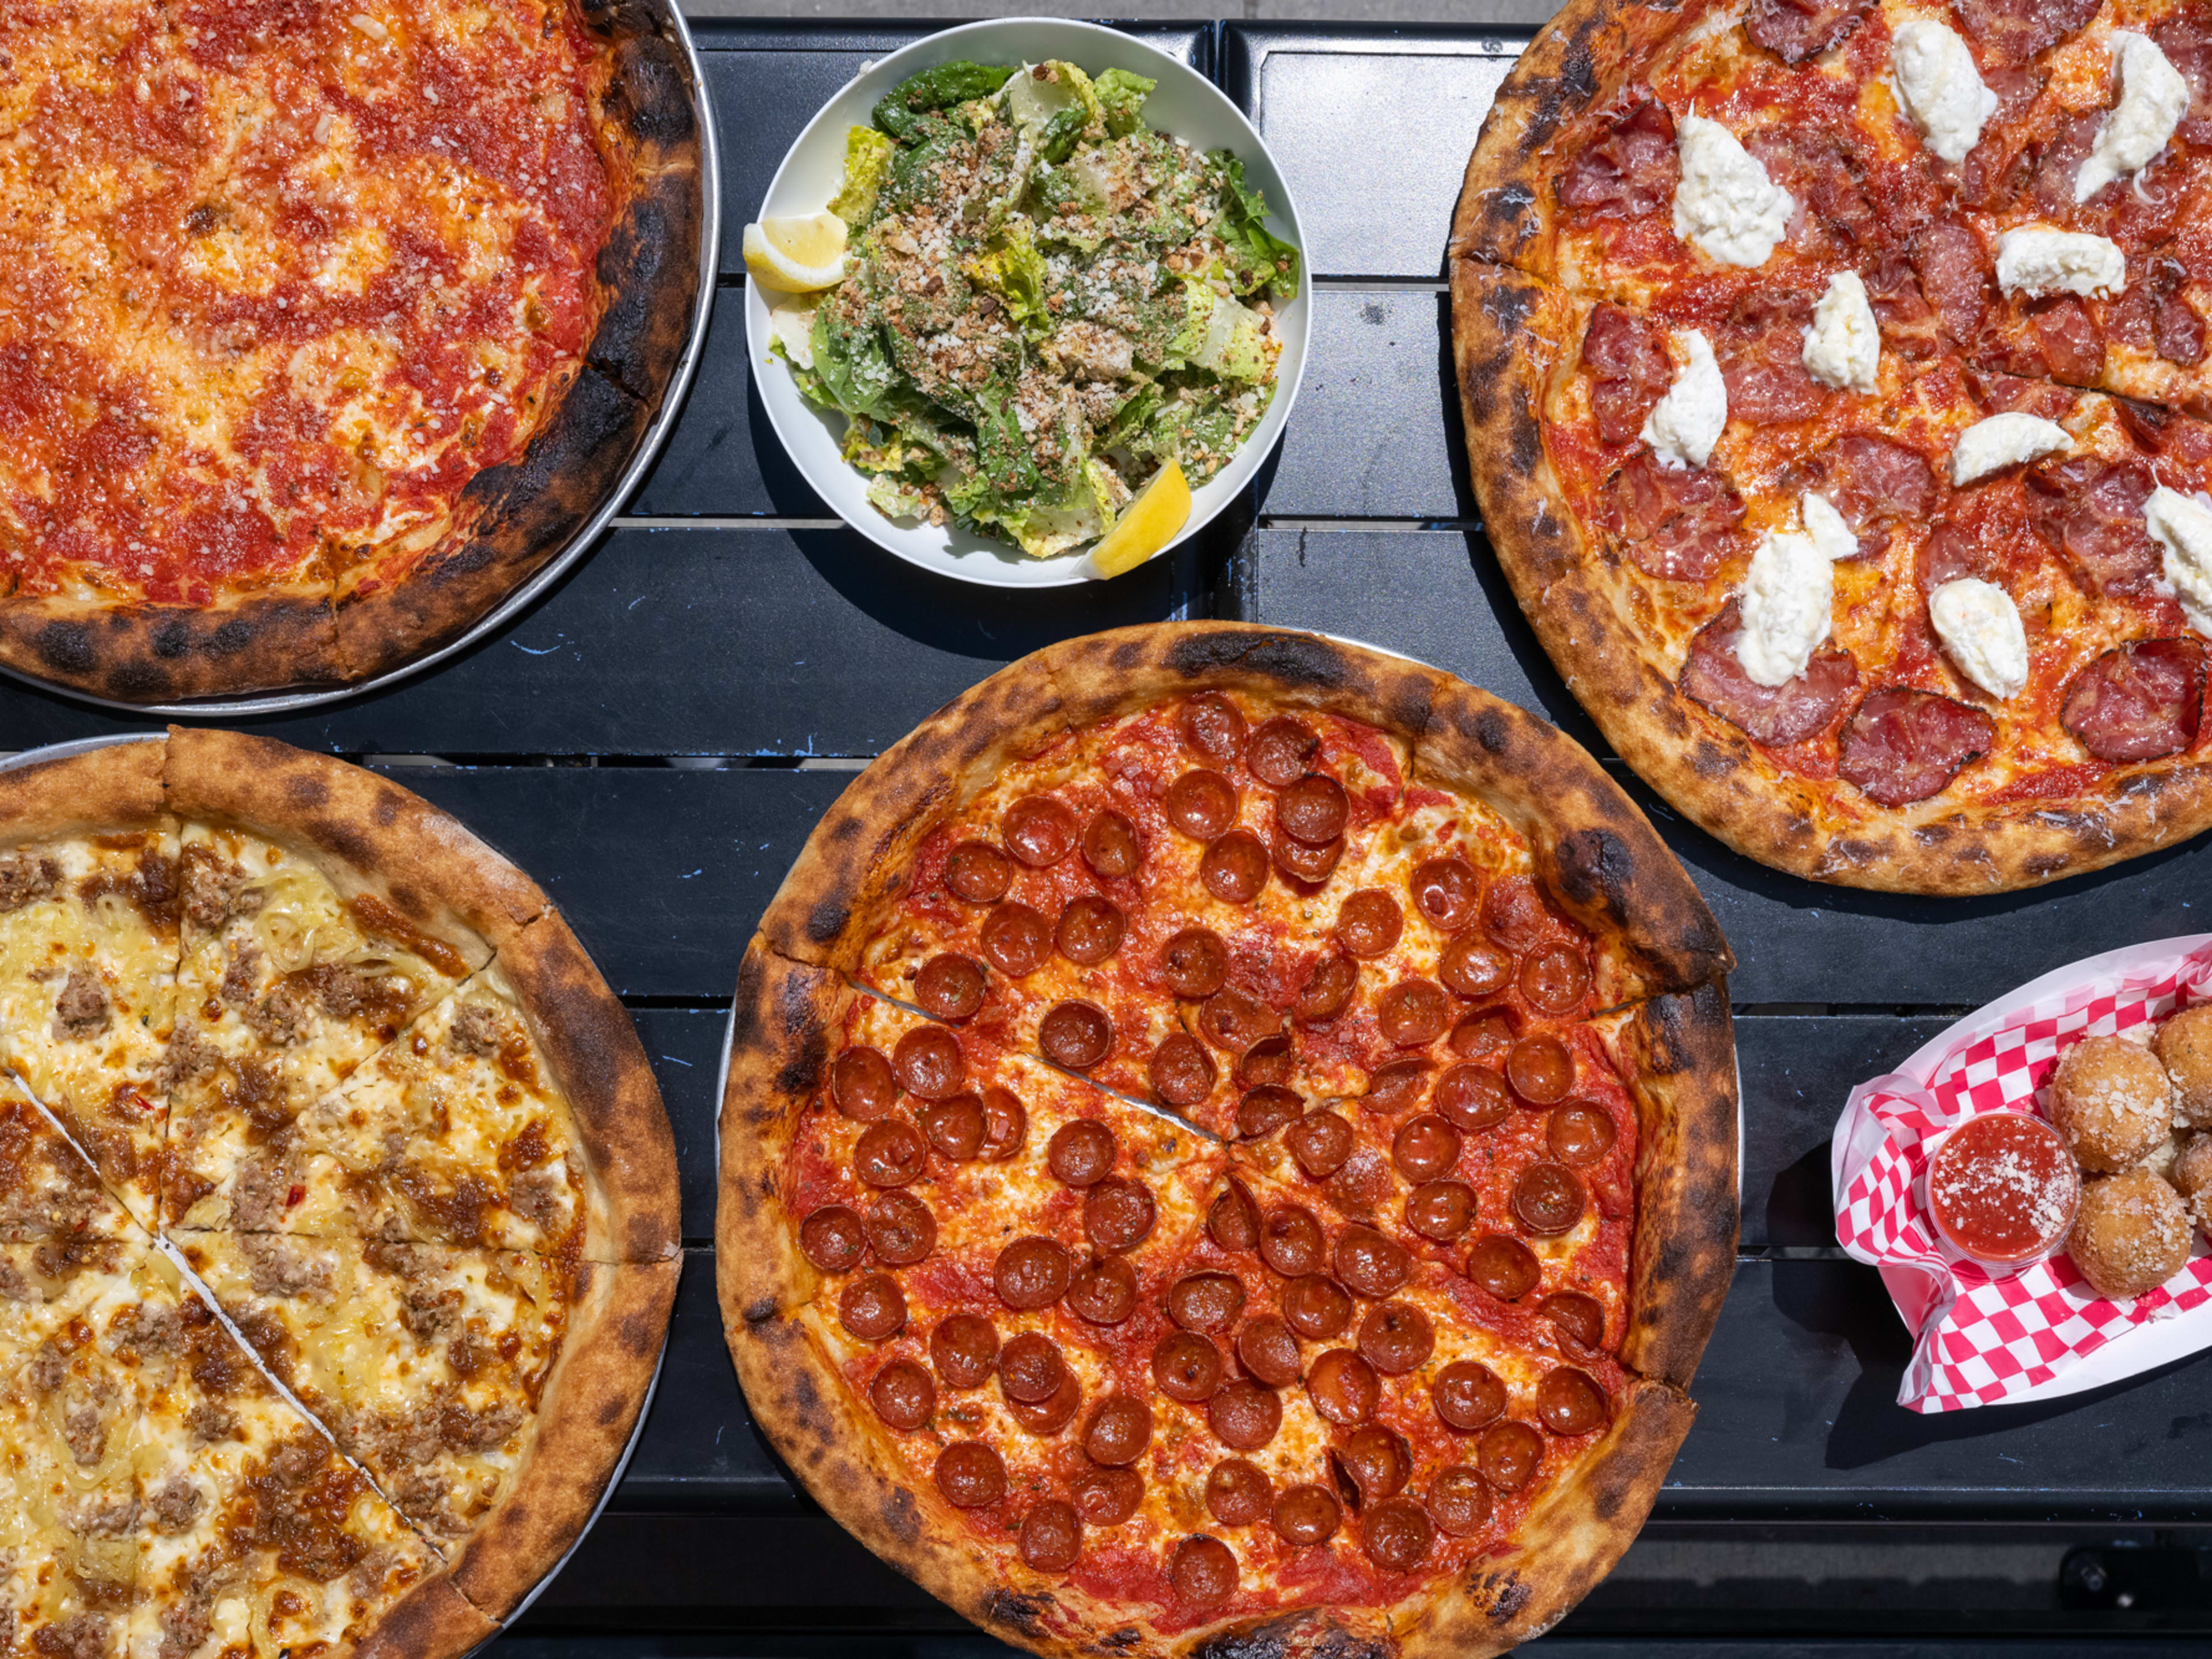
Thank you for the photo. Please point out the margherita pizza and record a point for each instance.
(277, 1021)
(1230, 1148)
(321, 327)
(1836, 380)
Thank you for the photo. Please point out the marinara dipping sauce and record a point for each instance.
(2003, 1189)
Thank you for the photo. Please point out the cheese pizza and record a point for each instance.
(322, 327)
(1835, 378)
(1229, 1148)
(337, 1213)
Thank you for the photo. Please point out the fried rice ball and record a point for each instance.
(2112, 1102)
(2183, 1047)
(2130, 1235)
(2192, 1178)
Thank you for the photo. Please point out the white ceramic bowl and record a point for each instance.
(1184, 105)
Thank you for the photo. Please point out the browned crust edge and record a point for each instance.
(595, 1391)
(431, 1621)
(601, 1068)
(116, 788)
(365, 833)
(142, 653)
(1510, 333)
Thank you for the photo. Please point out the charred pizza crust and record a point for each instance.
(1609, 870)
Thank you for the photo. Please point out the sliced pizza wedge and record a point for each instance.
(65, 1239)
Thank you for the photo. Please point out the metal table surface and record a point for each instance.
(655, 737)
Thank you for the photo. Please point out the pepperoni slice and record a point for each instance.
(1472, 1097)
(1398, 1535)
(1327, 989)
(1237, 1493)
(1264, 1111)
(1109, 846)
(1370, 1264)
(904, 1395)
(1030, 1369)
(1313, 810)
(964, 1348)
(927, 1062)
(1630, 372)
(1395, 1338)
(1397, 1086)
(1547, 1199)
(1579, 1134)
(1956, 277)
(1032, 1271)
(1907, 323)
(1310, 865)
(2154, 314)
(1281, 751)
(949, 986)
(1103, 1293)
(1267, 1349)
(1904, 745)
(1235, 867)
(1194, 962)
(1089, 931)
(1569, 1402)
(890, 1154)
(1425, 1149)
(955, 1128)
(1267, 1063)
(1447, 892)
(1484, 1036)
(1777, 715)
(1118, 1215)
(1187, 1367)
(1039, 831)
(1106, 1497)
(1242, 1415)
(1051, 1538)
(970, 1474)
(1794, 30)
(1213, 726)
(978, 872)
(873, 1307)
(1373, 1463)
(1201, 802)
(1459, 1502)
(1203, 1571)
(2020, 29)
(1291, 1241)
(1631, 168)
(1016, 939)
(1306, 1515)
(1075, 1034)
(1344, 1388)
(1504, 1266)
(1540, 1070)
(1508, 1454)
(2092, 512)
(1120, 1430)
(1760, 351)
(1233, 1219)
(1467, 1395)
(833, 1238)
(901, 1229)
(1515, 914)
(1236, 1021)
(1414, 1012)
(1182, 1073)
(1006, 1125)
(2138, 701)
(1368, 922)
(1675, 526)
(1555, 982)
(1321, 1141)
(861, 1084)
(1441, 1209)
(1042, 1417)
(1316, 1308)
(1081, 1153)
(1578, 1318)
(1206, 1302)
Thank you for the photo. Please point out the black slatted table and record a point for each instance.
(655, 738)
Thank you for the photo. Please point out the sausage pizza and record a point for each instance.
(1835, 376)
(322, 327)
(1229, 1147)
(275, 1021)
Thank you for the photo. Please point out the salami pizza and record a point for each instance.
(337, 1213)
(1835, 377)
(1229, 1147)
(322, 327)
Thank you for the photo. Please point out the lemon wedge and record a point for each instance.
(1148, 525)
(799, 254)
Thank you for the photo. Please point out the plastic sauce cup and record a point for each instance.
(2003, 1189)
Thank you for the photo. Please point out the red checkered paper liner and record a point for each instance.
(1984, 1336)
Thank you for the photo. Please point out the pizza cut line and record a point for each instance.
(1229, 1141)
(336, 1237)
(1835, 383)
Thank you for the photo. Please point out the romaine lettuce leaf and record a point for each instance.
(942, 87)
(867, 152)
(1121, 95)
(1014, 271)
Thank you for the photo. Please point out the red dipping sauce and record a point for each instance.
(2003, 1189)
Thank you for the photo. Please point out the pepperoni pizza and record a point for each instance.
(322, 327)
(1229, 1146)
(1835, 374)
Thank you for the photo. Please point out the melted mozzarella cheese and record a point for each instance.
(1982, 635)
(2153, 99)
(2182, 524)
(1787, 601)
(1940, 89)
(1826, 527)
(1683, 426)
(1725, 206)
(2003, 441)
(1842, 346)
(2036, 260)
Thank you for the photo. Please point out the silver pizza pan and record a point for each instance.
(587, 533)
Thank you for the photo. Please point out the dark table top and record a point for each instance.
(657, 736)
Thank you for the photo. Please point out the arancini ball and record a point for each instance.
(2130, 1235)
(2183, 1047)
(2111, 1101)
